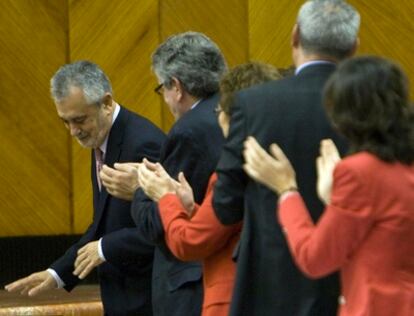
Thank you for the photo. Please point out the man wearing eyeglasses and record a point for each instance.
(188, 67)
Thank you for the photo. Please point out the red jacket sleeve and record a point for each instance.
(198, 237)
(323, 248)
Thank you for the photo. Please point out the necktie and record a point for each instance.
(99, 163)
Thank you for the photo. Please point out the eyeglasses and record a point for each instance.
(158, 89)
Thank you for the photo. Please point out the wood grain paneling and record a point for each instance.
(119, 36)
(225, 22)
(270, 29)
(387, 30)
(45, 178)
(34, 161)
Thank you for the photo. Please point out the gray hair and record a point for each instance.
(328, 27)
(192, 58)
(84, 75)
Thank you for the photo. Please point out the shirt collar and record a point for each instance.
(195, 104)
(311, 63)
(105, 142)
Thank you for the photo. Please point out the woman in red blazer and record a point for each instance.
(202, 236)
(367, 229)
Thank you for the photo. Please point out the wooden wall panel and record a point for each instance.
(34, 161)
(119, 36)
(387, 30)
(225, 22)
(270, 29)
(45, 178)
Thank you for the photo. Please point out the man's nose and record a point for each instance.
(74, 129)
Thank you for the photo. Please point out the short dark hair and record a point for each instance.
(242, 77)
(367, 100)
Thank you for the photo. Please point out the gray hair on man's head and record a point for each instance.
(193, 59)
(328, 27)
(84, 75)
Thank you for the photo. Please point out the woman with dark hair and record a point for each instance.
(367, 229)
(193, 232)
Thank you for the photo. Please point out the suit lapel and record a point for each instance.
(112, 155)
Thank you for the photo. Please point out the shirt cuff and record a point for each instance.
(100, 250)
(59, 281)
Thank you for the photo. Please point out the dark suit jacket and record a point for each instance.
(193, 146)
(125, 278)
(290, 113)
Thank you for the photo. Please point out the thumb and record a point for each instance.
(182, 179)
(278, 153)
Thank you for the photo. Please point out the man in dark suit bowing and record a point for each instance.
(188, 67)
(83, 98)
(288, 112)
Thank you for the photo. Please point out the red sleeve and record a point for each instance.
(323, 248)
(195, 238)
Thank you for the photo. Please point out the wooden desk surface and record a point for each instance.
(83, 300)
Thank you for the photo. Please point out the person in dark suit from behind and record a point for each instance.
(367, 228)
(290, 113)
(188, 67)
(84, 101)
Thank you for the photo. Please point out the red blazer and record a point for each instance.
(367, 232)
(204, 238)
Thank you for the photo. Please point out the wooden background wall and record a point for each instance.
(44, 175)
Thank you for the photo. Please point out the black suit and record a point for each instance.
(288, 112)
(193, 146)
(125, 278)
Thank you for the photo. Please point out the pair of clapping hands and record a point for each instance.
(276, 172)
(125, 178)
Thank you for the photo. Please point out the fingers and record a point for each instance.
(125, 166)
(25, 290)
(108, 172)
(82, 260)
(150, 165)
(19, 285)
(86, 270)
(32, 285)
(82, 255)
(42, 287)
(319, 165)
(83, 269)
(329, 150)
(160, 171)
(253, 152)
(87, 259)
(254, 156)
(144, 176)
(278, 153)
(107, 175)
(249, 153)
(80, 266)
(251, 171)
(182, 180)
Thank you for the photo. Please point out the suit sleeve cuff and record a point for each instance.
(59, 281)
(100, 250)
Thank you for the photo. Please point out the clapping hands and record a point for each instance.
(156, 182)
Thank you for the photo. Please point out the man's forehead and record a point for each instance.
(71, 108)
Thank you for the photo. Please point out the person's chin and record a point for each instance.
(85, 143)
